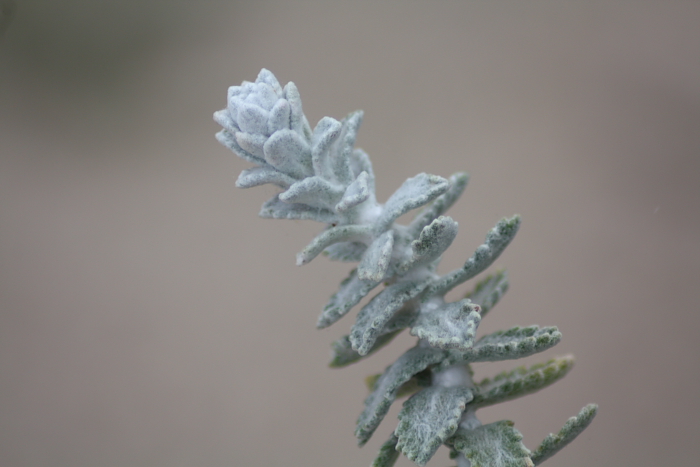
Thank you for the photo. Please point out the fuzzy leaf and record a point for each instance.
(252, 142)
(341, 233)
(279, 116)
(434, 239)
(326, 132)
(359, 162)
(297, 120)
(376, 314)
(496, 241)
(458, 182)
(346, 251)
(494, 445)
(252, 118)
(343, 353)
(261, 175)
(512, 344)
(489, 291)
(378, 402)
(572, 428)
(428, 418)
(313, 191)
(356, 193)
(276, 209)
(521, 381)
(387, 453)
(289, 153)
(376, 259)
(343, 147)
(452, 326)
(228, 139)
(414, 193)
(351, 291)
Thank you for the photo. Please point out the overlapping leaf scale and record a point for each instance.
(351, 291)
(489, 291)
(457, 184)
(428, 418)
(521, 381)
(572, 428)
(496, 241)
(451, 326)
(346, 251)
(511, 344)
(414, 193)
(374, 316)
(378, 402)
(494, 445)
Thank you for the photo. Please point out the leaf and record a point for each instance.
(434, 239)
(496, 241)
(376, 259)
(410, 387)
(252, 118)
(414, 192)
(357, 192)
(279, 116)
(287, 151)
(521, 381)
(378, 402)
(343, 353)
(359, 162)
(452, 326)
(376, 314)
(226, 138)
(351, 291)
(387, 453)
(297, 120)
(457, 184)
(343, 147)
(572, 428)
(276, 209)
(341, 233)
(428, 418)
(326, 132)
(512, 344)
(346, 251)
(313, 191)
(494, 445)
(489, 291)
(261, 175)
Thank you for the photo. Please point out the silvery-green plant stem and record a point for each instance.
(323, 177)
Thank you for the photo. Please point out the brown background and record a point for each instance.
(149, 318)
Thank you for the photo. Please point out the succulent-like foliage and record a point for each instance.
(323, 177)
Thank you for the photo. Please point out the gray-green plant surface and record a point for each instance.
(323, 177)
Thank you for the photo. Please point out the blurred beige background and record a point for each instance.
(149, 318)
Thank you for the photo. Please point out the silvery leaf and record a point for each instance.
(378, 402)
(494, 445)
(343, 147)
(326, 132)
(261, 175)
(434, 239)
(313, 191)
(572, 428)
(357, 192)
(376, 259)
(428, 418)
(457, 184)
(414, 192)
(346, 251)
(228, 140)
(253, 143)
(387, 453)
(452, 326)
(276, 209)
(351, 291)
(288, 152)
(489, 291)
(252, 119)
(279, 117)
(341, 233)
